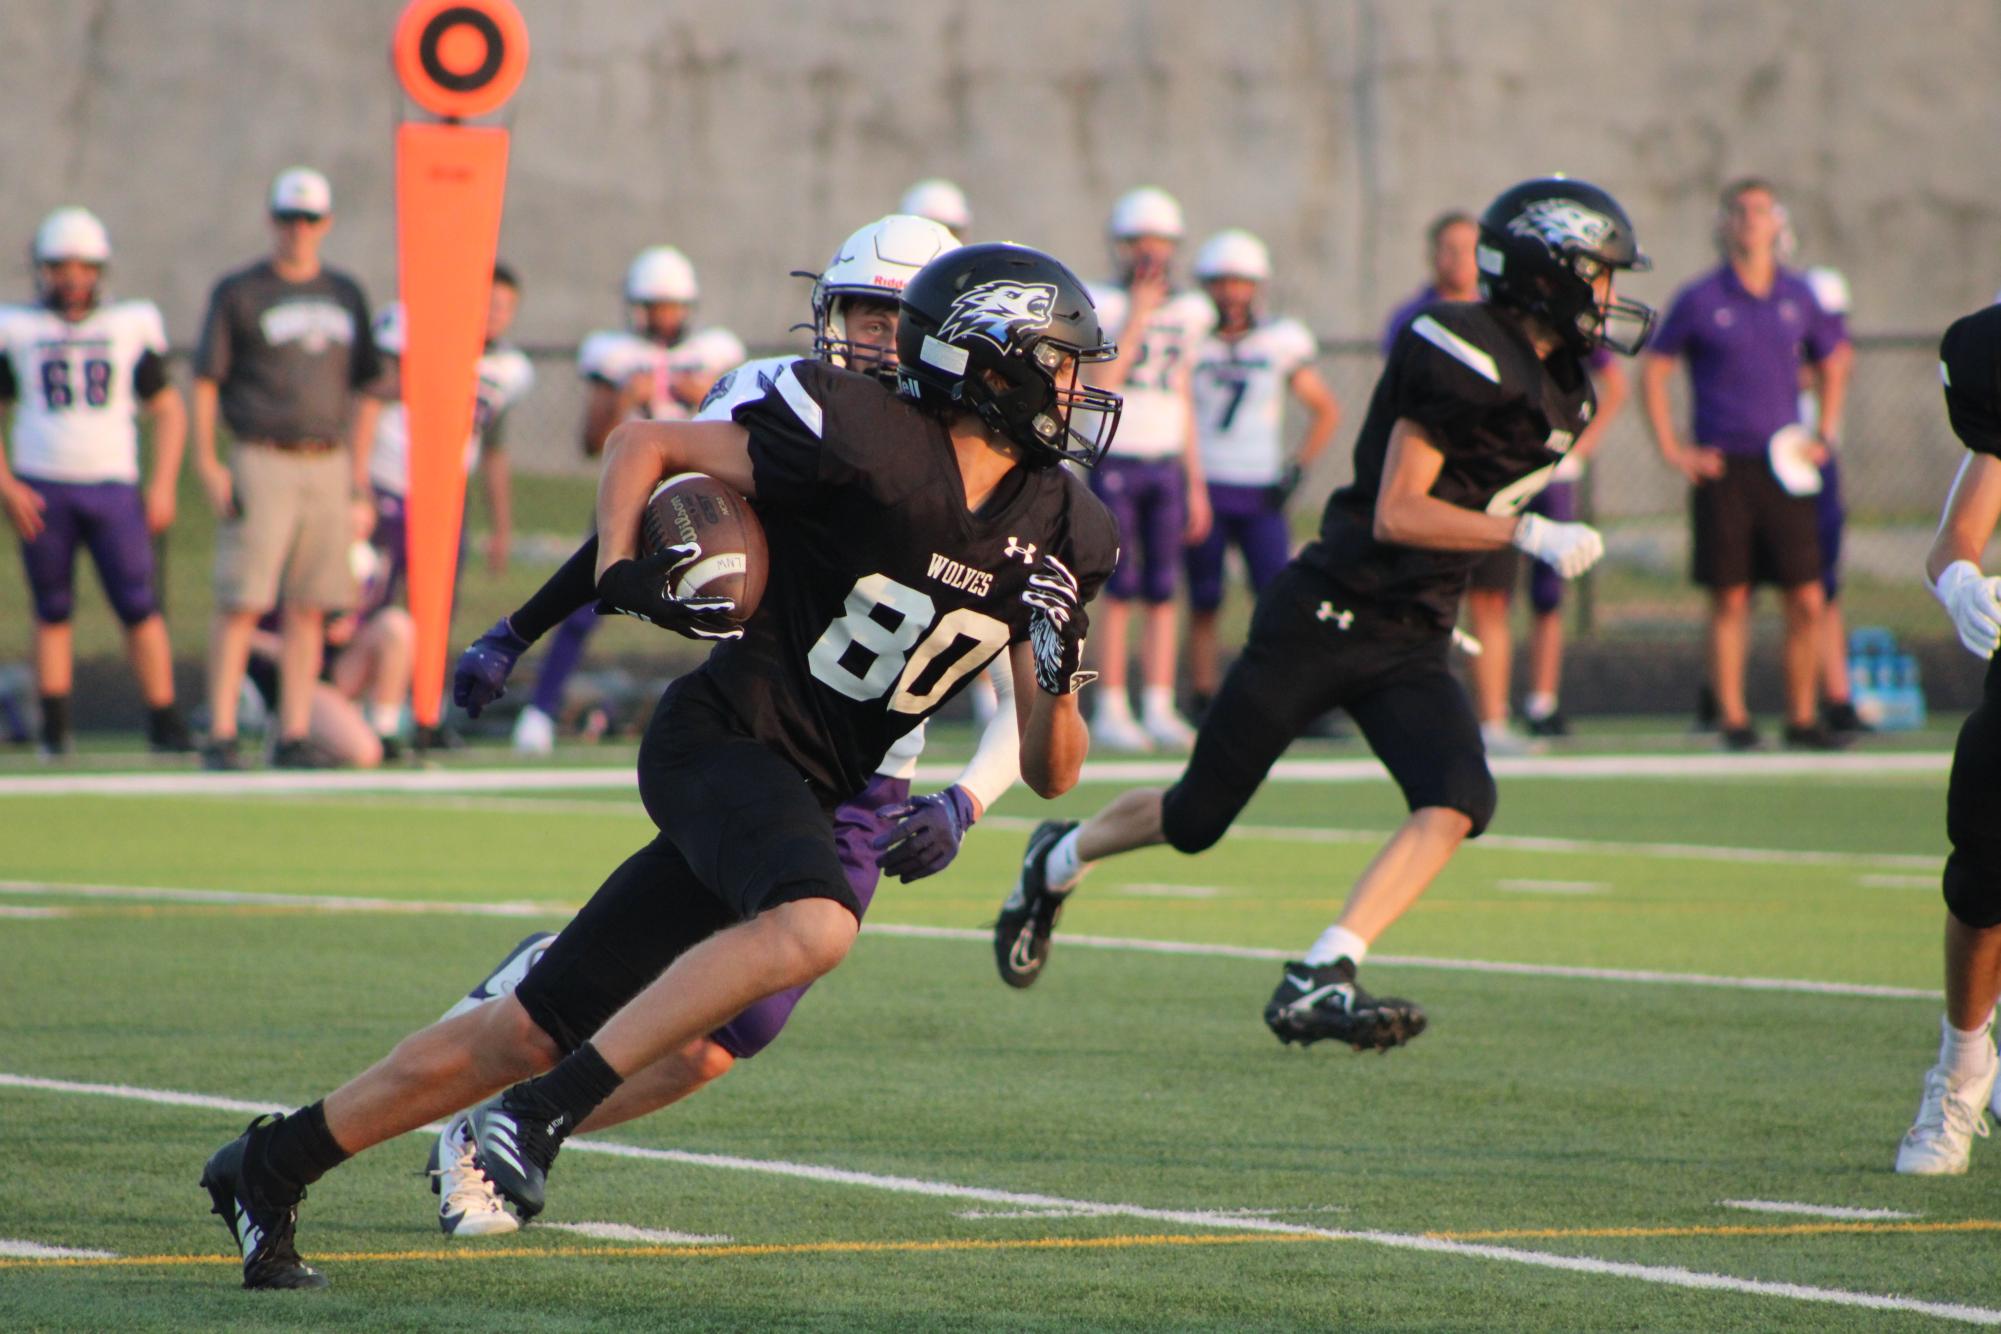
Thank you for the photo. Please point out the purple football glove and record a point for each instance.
(925, 833)
(481, 676)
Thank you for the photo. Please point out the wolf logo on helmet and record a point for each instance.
(1560, 222)
(995, 311)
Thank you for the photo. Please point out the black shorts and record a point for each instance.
(1498, 571)
(1312, 648)
(1973, 813)
(1749, 529)
(740, 832)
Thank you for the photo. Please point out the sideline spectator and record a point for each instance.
(1746, 330)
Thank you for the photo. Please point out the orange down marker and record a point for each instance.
(455, 58)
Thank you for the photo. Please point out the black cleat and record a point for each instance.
(1816, 736)
(260, 1220)
(303, 753)
(167, 733)
(1843, 719)
(1325, 1001)
(223, 755)
(1741, 740)
(1553, 724)
(1021, 933)
(517, 1143)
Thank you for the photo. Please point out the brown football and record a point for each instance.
(695, 507)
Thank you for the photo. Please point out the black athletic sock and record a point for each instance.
(572, 586)
(166, 727)
(55, 722)
(299, 1150)
(575, 1087)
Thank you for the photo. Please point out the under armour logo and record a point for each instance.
(1342, 619)
(1015, 548)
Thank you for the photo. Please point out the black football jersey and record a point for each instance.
(885, 594)
(1969, 363)
(1503, 418)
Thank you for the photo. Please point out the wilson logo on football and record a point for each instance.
(997, 310)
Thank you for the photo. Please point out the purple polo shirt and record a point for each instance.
(1404, 314)
(1744, 354)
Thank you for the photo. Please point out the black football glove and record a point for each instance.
(645, 588)
(1056, 628)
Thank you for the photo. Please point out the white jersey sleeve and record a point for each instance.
(504, 377)
(614, 356)
(76, 412)
(706, 352)
(743, 384)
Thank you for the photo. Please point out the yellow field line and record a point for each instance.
(688, 1252)
(1720, 1230)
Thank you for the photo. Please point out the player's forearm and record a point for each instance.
(1972, 511)
(1438, 525)
(361, 439)
(207, 394)
(996, 761)
(633, 462)
(1053, 745)
(170, 436)
(1613, 387)
(499, 478)
(1835, 369)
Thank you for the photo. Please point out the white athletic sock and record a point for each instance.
(1965, 1053)
(386, 718)
(1538, 705)
(1337, 943)
(1113, 706)
(1157, 701)
(1061, 868)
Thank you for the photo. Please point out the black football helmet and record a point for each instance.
(1019, 314)
(1542, 245)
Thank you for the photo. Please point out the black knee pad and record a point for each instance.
(1973, 890)
(1190, 823)
(1465, 785)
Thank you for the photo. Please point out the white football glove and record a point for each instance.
(1974, 602)
(1568, 548)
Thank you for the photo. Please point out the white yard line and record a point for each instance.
(15, 910)
(1162, 891)
(1539, 845)
(1663, 1275)
(1899, 881)
(659, 1236)
(1551, 886)
(341, 903)
(183, 783)
(34, 1250)
(1641, 975)
(1815, 1210)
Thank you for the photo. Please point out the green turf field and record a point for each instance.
(1124, 1146)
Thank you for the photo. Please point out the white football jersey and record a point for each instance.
(76, 400)
(615, 356)
(1155, 421)
(505, 377)
(1240, 388)
(743, 384)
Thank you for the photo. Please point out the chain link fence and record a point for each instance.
(1897, 459)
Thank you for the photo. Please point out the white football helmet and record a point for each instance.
(1830, 288)
(661, 273)
(941, 201)
(1147, 211)
(72, 233)
(1233, 253)
(877, 261)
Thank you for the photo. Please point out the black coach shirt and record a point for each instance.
(1502, 417)
(287, 356)
(886, 593)
(1969, 364)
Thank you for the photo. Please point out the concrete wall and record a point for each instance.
(754, 134)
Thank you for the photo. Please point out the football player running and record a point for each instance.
(881, 828)
(1475, 410)
(658, 368)
(1243, 372)
(79, 372)
(1152, 480)
(914, 535)
(1961, 1088)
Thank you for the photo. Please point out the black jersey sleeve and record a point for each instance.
(10, 388)
(149, 375)
(1969, 364)
(1445, 379)
(817, 432)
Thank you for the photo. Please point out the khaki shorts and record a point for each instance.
(293, 528)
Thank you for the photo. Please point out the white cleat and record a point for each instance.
(1502, 740)
(534, 732)
(1120, 734)
(1169, 731)
(468, 1205)
(1940, 1141)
